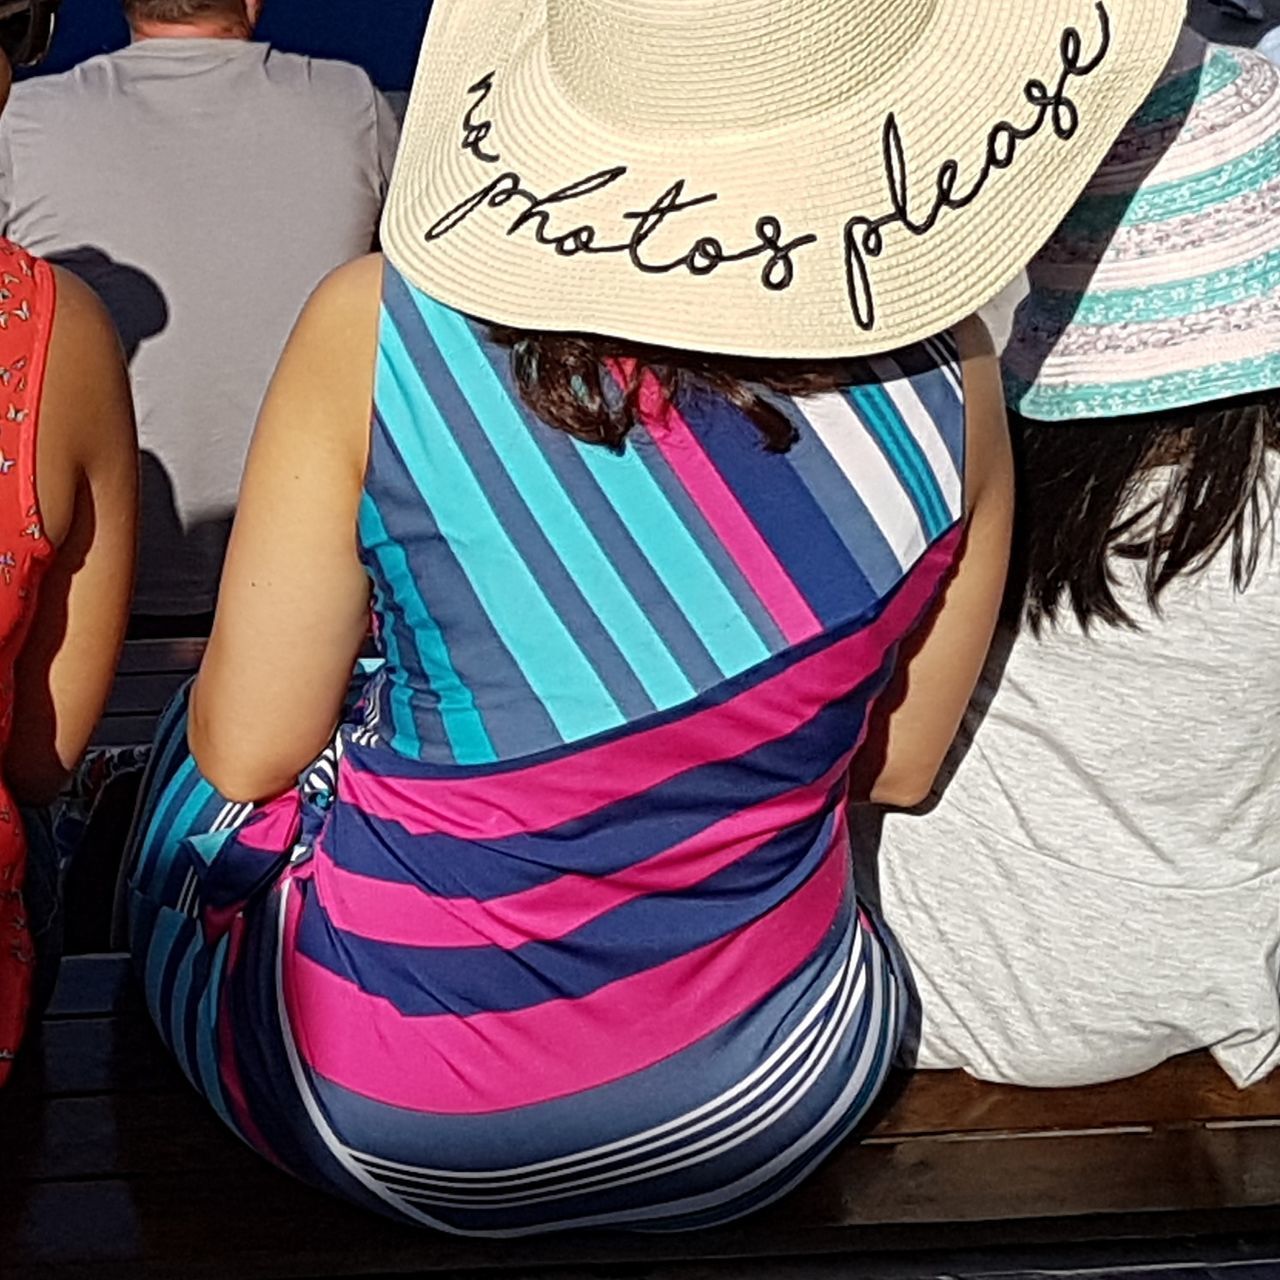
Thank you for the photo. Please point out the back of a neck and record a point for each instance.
(211, 30)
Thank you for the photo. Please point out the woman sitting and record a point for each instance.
(560, 930)
(68, 498)
(1097, 887)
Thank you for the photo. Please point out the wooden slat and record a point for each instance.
(124, 731)
(93, 986)
(146, 693)
(119, 1135)
(260, 1223)
(101, 1131)
(1181, 1091)
(151, 656)
(87, 1056)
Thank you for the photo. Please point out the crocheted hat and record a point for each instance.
(757, 177)
(1161, 288)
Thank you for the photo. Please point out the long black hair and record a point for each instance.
(589, 386)
(1171, 491)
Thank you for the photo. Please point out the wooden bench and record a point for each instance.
(111, 1168)
(149, 674)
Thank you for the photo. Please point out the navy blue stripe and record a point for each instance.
(782, 508)
(396, 635)
(941, 403)
(631, 939)
(625, 833)
(537, 554)
(483, 663)
(684, 505)
(843, 506)
(633, 566)
(564, 1126)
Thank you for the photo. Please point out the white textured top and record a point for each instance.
(1098, 888)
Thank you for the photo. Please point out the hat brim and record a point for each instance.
(512, 203)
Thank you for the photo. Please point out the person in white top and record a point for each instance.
(1095, 885)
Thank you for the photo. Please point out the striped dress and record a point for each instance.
(562, 931)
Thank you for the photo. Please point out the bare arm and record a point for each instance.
(921, 711)
(294, 604)
(87, 477)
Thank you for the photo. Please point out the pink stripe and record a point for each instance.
(274, 827)
(543, 796)
(451, 1065)
(724, 513)
(404, 915)
(228, 1062)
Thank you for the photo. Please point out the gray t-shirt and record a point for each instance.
(204, 187)
(1098, 886)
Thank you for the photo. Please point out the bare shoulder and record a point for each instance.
(986, 424)
(973, 339)
(81, 323)
(347, 298)
(323, 385)
(336, 333)
(86, 367)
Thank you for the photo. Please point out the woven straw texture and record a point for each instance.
(1161, 289)
(543, 135)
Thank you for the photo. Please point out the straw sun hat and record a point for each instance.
(757, 177)
(1161, 288)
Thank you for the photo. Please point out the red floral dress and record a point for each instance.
(26, 321)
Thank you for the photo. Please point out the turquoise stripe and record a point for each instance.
(539, 641)
(159, 948)
(1169, 300)
(1175, 99)
(463, 726)
(666, 542)
(171, 740)
(551, 507)
(165, 829)
(904, 453)
(404, 729)
(1094, 215)
(206, 1016)
(1144, 395)
(179, 1014)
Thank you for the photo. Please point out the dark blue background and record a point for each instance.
(381, 35)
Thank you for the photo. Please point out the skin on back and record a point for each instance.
(87, 486)
(293, 609)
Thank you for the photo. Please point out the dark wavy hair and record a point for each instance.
(180, 10)
(1085, 504)
(590, 386)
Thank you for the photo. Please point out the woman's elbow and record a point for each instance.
(240, 780)
(233, 768)
(903, 789)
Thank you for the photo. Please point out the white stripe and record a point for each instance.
(921, 424)
(188, 892)
(836, 423)
(344, 1156)
(708, 1112)
(947, 357)
(836, 994)
(339, 1152)
(837, 1114)
(708, 1149)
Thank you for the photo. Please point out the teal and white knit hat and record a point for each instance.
(1161, 288)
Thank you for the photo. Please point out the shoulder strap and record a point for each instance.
(27, 303)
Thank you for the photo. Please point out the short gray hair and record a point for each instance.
(180, 10)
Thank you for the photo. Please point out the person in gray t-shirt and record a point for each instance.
(203, 184)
